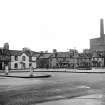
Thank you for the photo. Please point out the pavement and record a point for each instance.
(94, 70)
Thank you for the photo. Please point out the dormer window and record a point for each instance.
(23, 58)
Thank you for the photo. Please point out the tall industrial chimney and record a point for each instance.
(101, 28)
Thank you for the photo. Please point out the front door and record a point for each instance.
(23, 65)
(0, 65)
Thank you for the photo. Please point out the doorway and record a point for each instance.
(0, 65)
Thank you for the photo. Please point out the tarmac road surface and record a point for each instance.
(60, 89)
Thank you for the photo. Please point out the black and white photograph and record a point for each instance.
(52, 52)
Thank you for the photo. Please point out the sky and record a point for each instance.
(50, 24)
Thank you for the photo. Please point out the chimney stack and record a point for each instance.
(101, 28)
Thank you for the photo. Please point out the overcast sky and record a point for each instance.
(50, 24)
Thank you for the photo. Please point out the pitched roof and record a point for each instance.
(19, 53)
(84, 55)
(45, 55)
(64, 54)
(15, 52)
(61, 54)
(35, 54)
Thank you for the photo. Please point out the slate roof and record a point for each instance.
(61, 54)
(45, 55)
(83, 55)
(15, 52)
(35, 54)
(20, 52)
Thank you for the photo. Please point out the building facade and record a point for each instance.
(19, 60)
(64, 59)
(93, 57)
(44, 60)
(98, 44)
(22, 60)
(98, 59)
(84, 60)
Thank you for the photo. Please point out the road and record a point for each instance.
(60, 86)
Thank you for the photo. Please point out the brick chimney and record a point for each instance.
(101, 28)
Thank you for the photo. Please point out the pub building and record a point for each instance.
(5, 57)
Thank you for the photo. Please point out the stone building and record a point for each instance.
(97, 48)
(43, 60)
(84, 60)
(98, 59)
(22, 59)
(19, 60)
(64, 59)
(98, 44)
(60, 60)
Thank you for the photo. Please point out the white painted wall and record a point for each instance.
(53, 62)
(13, 62)
(19, 61)
(26, 61)
(34, 62)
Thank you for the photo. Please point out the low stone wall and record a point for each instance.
(62, 70)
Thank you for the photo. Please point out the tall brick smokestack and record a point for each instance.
(101, 28)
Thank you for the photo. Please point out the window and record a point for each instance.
(23, 58)
(33, 58)
(24, 65)
(15, 65)
(16, 58)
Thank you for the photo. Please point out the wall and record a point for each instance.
(97, 44)
(33, 62)
(19, 61)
